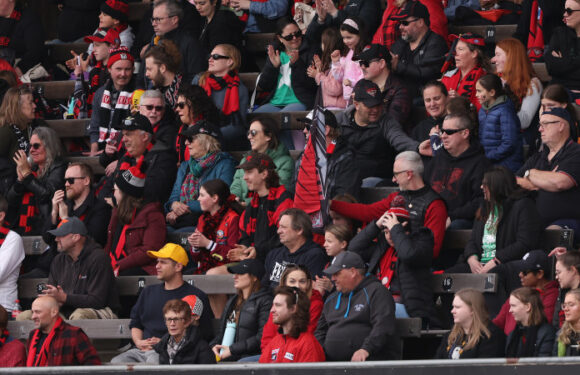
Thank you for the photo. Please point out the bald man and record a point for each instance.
(67, 345)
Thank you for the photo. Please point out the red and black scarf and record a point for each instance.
(111, 113)
(231, 82)
(7, 26)
(129, 161)
(42, 359)
(28, 210)
(5, 334)
(3, 234)
(212, 222)
(170, 92)
(536, 33)
(387, 267)
(119, 252)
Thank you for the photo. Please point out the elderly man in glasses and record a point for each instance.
(456, 171)
(154, 106)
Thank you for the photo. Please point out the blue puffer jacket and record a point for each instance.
(500, 134)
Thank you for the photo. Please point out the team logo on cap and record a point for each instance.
(372, 91)
(123, 56)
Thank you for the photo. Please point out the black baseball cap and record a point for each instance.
(413, 9)
(368, 93)
(533, 261)
(137, 122)
(329, 118)
(251, 266)
(374, 52)
(201, 127)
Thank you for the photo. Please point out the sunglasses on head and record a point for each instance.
(181, 105)
(35, 146)
(150, 107)
(569, 11)
(215, 56)
(289, 37)
(252, 132)
(451, 131)
(71, 180)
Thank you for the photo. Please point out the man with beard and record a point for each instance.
(162, 67)
(417, 56)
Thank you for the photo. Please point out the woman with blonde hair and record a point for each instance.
(568, 338)
(473, 335)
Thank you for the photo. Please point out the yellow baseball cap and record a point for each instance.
(171, 251)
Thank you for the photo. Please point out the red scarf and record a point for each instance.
(27, 210)
(126, 164)
(3, 233)
(119, 252)
(536, 36)
(4, 337)
(42, 359)
(212, 222)
(387, 266)
(231, 82)
(8, 28)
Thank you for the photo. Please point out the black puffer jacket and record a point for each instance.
(195, 350)
(412, 279)
(564, 70)
(253, 316)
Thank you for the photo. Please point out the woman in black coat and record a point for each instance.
(245, 315)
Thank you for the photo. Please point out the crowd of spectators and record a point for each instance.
(460, 126)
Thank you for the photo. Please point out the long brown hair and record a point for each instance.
(501, 184)
(240, 300)
(10, 112)
(567, 328)
(332, 41)
(532, 296)
(518, 70)
(127, 208)
(474, 299)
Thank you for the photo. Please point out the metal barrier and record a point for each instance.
(499, 366)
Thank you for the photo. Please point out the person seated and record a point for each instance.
(452, 6)
(136, 225)
(560, 57)
(568, 277)
(492, 12)
(370, 328)
(435, 97)
(111, 101)
(376, 63)
(388, 32)
(284, 75)
(74, 22)
(12, 351)
(295, 231)
(418, 54)
(259, 16)
(456, 171)
(296, 276)
(537, 22)
(294, 342)
(499, 127)
(17, 120)
(507, 226)
(245, 313)
(12, 250)
(473, 335)
(147, 319)
(566, 344)
(222, 83)
(140, 148)
(217, 229)
(471, 63)
(331, 14)
(557, 95)
(259, 221)
(30, 196)
(207, 162)
(160, 115)
(320, 69)
(264, 139)
(163, 71)
(193, 105)
(336, 239)
(81, 279)
(534, 270)
(183, 342)
(53, 342)
(533, 336)
(553, 172)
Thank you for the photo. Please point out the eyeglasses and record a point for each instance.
(252, 132)
(544, 124)
(451, 131)
(289, 37)
(181, 105)
(399, 172)
(568, 305)
(71, 180)
(159, 19)
(365, 63)
(36, 146)
(150, 107)
(569, 11)
(407, 23)
(215, 56)
(190, 138)
(173, 320)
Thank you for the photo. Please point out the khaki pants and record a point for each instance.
(77, 314)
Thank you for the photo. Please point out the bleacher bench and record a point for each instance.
(499, 31)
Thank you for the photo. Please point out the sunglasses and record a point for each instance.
(71, 180)
(190, 138)
(451, 131)
(407, 23)
(569, 11)
(215, 56)
(181, 105)
(150, 107)
(252, 133)
(526, 272)
(289, 37)
(36, 146)
(365, 63)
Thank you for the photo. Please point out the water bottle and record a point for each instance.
(229, 334)
(17, 309)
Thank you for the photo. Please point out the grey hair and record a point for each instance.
(51, 143)
(414, 160)
(149, 135)
(173, 8)
(463, 121)
(152, 94)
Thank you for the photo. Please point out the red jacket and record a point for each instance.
(227, 236)
(146, 233)
(388, 31)
(12, 353)
(435, 217)
(464, 86)
(69, 347)
(284, 348)
(270, 329)
(549, 295)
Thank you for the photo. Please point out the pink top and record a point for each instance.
(347, 69)
(331, 91)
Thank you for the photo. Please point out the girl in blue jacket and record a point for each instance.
(499, 126)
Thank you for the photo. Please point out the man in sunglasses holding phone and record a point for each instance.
(456, 171)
